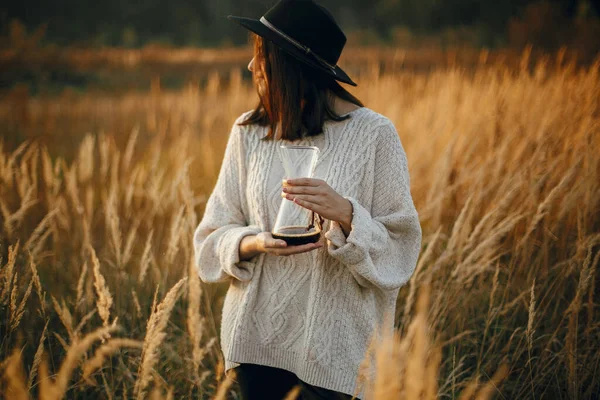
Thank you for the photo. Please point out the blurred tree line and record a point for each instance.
(135, 23)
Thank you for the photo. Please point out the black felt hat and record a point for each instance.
(305, 30)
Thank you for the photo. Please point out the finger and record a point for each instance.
(298, 249)
(309, 205)
(295, 249)
(305, 197)
(303, 182)
(316, 200)
(314, 190)
(274, 243)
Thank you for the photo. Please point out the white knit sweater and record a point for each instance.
(312, 313)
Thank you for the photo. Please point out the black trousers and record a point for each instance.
(259, 382)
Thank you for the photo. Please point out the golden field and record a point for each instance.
(100, 194)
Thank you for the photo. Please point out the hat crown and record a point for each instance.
(309, 24)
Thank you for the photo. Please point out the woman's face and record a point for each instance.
(258, 75)
(257, 67)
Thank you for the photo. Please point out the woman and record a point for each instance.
(305, 314)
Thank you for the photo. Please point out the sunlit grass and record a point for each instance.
(100, 194)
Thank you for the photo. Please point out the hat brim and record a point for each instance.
(257, 27)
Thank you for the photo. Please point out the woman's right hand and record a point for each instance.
(265, 243)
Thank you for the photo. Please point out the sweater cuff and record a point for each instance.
(229, 252)
(350, 250)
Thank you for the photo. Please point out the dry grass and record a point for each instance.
(97, 227)
(189, 62)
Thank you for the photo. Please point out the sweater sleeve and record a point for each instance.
(218, 235)
(383, 246)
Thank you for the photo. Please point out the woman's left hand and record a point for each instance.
(316, 195)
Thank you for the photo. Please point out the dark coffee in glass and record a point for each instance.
(298, 235)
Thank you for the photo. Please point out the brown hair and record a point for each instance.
(298, 98)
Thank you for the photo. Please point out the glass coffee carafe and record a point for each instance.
(294, 224)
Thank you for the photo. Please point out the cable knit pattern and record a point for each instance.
(314, 313)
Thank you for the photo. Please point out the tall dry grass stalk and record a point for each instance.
(194, 323)
(14, 378)
(8, 272)
(81, 283)
(531, 330)
(39, 234)
(16, 313)
(155, 334)
(146, 258)
(57, 388)
(505, 175)
(63, 313)
(225, 386)
(35, 278)
(37, 359)
(407, 367)
(104, 300)
(106, 350)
